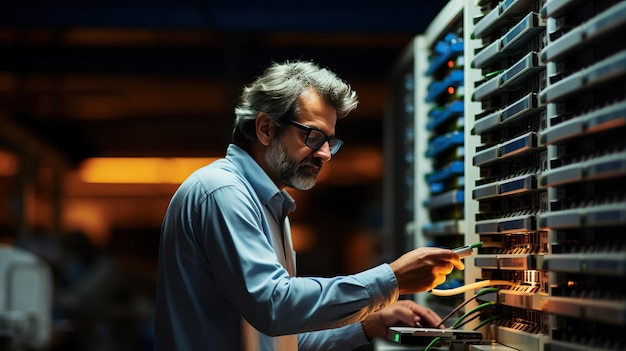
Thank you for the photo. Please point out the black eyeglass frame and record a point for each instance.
(333, 142)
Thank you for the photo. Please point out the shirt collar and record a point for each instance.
(278, 201)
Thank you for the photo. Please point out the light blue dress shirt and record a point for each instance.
(217, 264)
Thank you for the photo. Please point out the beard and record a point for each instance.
(300, 176)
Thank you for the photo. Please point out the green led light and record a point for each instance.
(491, 74)
(396, 338)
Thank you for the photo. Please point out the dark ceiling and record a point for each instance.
(160, 78)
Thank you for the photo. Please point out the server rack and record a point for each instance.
(439, 147)
(510, 160)
(399, 139)
(551, 156)
(585, 179)
(435, 64)
(544, 168)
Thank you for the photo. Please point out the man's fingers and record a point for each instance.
(458, 264)
(456, 261)
(405, 315)
(443, 268)
(431, 320)
(428, 317)
(422, 316)
(440, 279)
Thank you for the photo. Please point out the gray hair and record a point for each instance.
(276, 93)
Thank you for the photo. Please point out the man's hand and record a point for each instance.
(403, 312)
(424, 268)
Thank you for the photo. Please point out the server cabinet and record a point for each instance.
(542, 182)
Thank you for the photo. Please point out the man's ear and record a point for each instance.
(265, 128)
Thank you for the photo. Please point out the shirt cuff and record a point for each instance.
(356, 333)
(381, 285)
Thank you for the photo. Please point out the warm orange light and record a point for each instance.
(9, 164)
(304, 237)
(450, 90)
(140, 170)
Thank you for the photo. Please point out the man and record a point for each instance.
(227, 276)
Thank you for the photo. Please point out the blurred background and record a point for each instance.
(106, 106)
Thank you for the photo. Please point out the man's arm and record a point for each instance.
(403, 312)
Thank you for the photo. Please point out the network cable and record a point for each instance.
(432, 343)
(456, 309)
(487, 321)
(476, 285)
(471, 318)
(472, 311)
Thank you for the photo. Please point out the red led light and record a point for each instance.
(450, 90)
(450, 64)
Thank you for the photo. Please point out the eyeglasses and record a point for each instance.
(315, 138)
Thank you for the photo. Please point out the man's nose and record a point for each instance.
(324, 152)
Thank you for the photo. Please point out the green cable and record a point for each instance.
(486, 321)
(478, 244)
(467, 320)
(477, 308)
(432, 343)
(480, 292)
